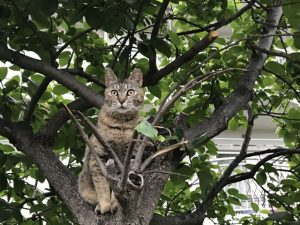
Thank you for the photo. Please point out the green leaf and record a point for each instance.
(297, 39)
(161, 46)
(232, 191)
(147, 129)
(275, 67)
(6, 148)
(19, 186)
(60, 90)
(3, 182)
(155, 90)
(3, 72)
(241, 196)
(64, 58)
(174, 38)
(205, 178)
(291, 10)
(186, 170)
(278, 216)
(130, 2)
(93, 17)
(261, 178)
(12, 84)
(146, 50)
(48, 7)
(211, 148)
(254, 206)
(294, 117)
(5, 12)
(233, 124)
(234, 200)
(2, 158)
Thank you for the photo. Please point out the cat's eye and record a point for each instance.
(130, 92)
(114, 93)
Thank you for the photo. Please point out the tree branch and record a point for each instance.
(155, 30)
(252, 172)
(243, 93)
(152, 78)
(105, 144)
(127, 160)
(88, 143)
(232, 104)
(167, 104)
(85, 75)
(61, 117)
(297, 93)
(35, 98)
(60, 76)
(277, 53)
(61, 179)
(221, 23)
(75, 37)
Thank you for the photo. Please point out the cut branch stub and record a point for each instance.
(136, 180)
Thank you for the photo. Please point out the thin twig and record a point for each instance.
(161, 152)
(191, 84)
(127, 161)
(163, 108)
(155, 30)
(104, 143)
(223, 181)
(35, 98)
(79, 35)
(89, 144)
(221, 23)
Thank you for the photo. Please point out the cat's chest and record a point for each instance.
(118, 136)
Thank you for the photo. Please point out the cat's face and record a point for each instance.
(124, 96)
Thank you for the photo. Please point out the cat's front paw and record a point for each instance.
(102, 208)
(114, 206)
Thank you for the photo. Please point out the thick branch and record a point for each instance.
(152, 78)
(167, 103)
(60, 76)
(61, 179)
(232, 104)
(243, 93)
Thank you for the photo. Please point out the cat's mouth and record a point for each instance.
(122, 107)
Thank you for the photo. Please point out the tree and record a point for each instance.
(53, 53)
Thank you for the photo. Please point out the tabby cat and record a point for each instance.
(116, 122)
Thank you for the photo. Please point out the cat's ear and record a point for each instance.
(137, 77)
(110, 77)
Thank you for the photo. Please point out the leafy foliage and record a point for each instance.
(69, 35)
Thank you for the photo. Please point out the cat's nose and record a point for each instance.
(122, 99)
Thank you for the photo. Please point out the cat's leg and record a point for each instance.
(114, 203)
(101, 186)
(86, 188)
